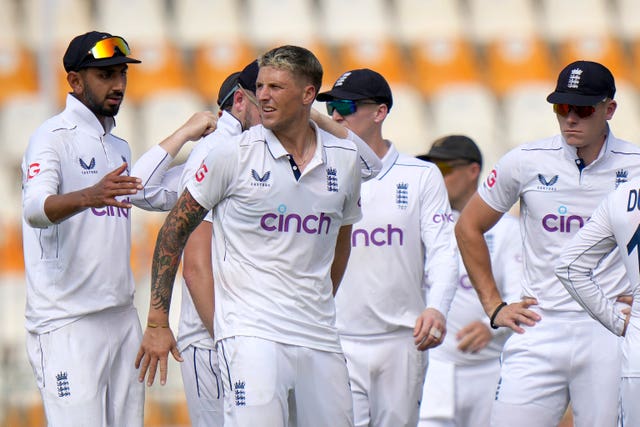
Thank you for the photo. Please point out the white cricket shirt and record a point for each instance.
(275, 235)
(81, 265)
(556, 199)
(505, 249)
(406, 218)
(614, 224)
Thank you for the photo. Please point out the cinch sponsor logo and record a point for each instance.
(294, 223)
(111, 211)
(379, 236)
(562, 222)
(34, 169)
(464, 282)
(443, 217)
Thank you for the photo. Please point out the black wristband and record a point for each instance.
(495, 314)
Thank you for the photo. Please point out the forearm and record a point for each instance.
(341, 256)
(172, 237)
(475, 254)
(198, 273)
(58, 207)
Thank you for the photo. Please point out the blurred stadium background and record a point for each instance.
(479, 67)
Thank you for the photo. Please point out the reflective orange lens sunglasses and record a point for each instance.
(106, 48)
(446, 167)
(582, 111)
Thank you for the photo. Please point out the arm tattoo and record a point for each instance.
(172, 237)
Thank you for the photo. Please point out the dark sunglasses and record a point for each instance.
(447, 166)
(106, 48)
(344, 107)
(582, 111)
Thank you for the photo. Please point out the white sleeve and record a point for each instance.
(370, 163)
(441, 251)
(580, 256)
(160, 191)
(501, 188)
(41, 176)
(208, 188)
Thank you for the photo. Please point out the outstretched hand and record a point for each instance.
(112, 185)
(156, 345)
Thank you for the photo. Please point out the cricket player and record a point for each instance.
(463, 372)
(612, 229)
(385, 321)
(559, 353)
(283, 197)
(82, 326)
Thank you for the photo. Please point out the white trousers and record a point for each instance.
(386, 373)
(85, 371)
(459, 396)
(564, 357)
(270, 384)
(202, 386)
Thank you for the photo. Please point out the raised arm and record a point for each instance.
(160, 182)
(477, 218)
(158, 339)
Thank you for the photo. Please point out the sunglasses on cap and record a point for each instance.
(106, 48)
(345, 107)
(447, 166)
(582, 111)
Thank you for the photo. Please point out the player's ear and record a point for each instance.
(76, 82)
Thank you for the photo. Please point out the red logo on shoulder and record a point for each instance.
(34, 169)
(200, 173)
(492, 178)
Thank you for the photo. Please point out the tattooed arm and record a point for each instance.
(158, 339)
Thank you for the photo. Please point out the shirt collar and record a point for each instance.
(389, 159)
(278, 151)
(228, 123)
(81, 116)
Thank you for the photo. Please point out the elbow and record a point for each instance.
(34, 215)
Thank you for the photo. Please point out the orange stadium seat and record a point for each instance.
(442, 62)
(515, 61)
(18, 74)
(384, 57)
(606, 50)
(213, 62)
(162, 68)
